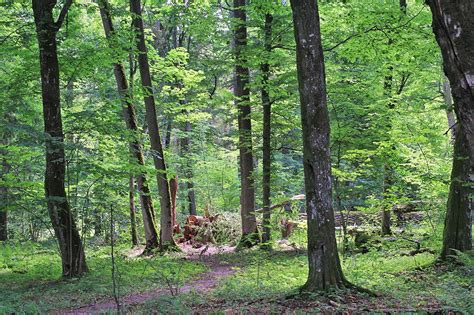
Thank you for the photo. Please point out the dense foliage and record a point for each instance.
(192, 74)
(391, 142)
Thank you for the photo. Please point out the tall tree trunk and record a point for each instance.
(324, 266)
(133, 220)
(192, 209)
(128, 110)
(386, 212)
(169, 125)
(4, 198)
(454, 31)
(242, 102)
(267, 158)
(166, 232)
(97, 222)
(3, 222)
(4, 202)
(388, 169)
(185, 149)
(173, 194)
(70, 244)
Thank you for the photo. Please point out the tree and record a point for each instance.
(388, 168)
(267, 154)
(136, 148)
(325, 270)
(166, 231)
(454, 31)
(4, 196)
(188, 171)
(70, 244)
(242, 102)
(133, 220)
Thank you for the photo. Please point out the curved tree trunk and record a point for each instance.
(242, 102)
(454, 31)
(166, 231)
(324, 266)
(70, 244)
(146, 202)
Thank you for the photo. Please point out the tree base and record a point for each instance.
(170, 247)
(150, 247)
(248, 241)
(452, 257)
(309, 289)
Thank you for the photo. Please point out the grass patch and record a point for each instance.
(30, 276)
(402, 281)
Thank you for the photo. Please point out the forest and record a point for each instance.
(236, 156)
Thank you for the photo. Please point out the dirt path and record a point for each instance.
(204, 283)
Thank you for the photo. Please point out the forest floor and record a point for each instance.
(219, 280)
(205, 282)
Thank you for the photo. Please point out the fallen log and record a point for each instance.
(284, 203)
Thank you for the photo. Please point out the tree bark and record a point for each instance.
(3, 224)
(133, 220)
(173, 193)
(324, 266)
(70, 244)
(267, 154)
(166, 232)
(136, 148)
(448, 99)
(97, 222)
(386, 212)
(167, 141)
(454, 31)
(242, 102)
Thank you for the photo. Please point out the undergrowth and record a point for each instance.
(400, 278)
(391, 267)
(30, 276)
